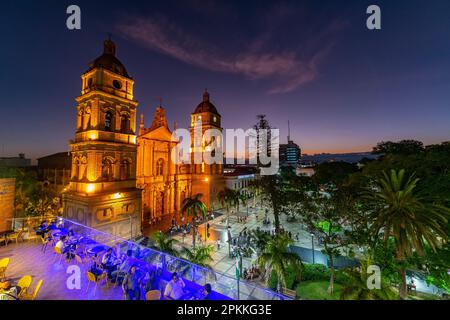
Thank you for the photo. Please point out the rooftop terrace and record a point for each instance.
(28, 258)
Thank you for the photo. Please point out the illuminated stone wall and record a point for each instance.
(7, 190)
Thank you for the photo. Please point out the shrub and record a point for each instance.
(290, 279)
(315, 272)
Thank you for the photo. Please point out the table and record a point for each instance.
(97, 249)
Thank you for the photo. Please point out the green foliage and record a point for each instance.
(400, 214)
(164, 243)
(259, 239)
(315, 272)
(291, 279)
(404, 147)
(335, 173)
(317, 290)
(201, 256)
(276, 258)
(194, 207)
(356, 288)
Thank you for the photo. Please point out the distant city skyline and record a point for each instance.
(342, 87)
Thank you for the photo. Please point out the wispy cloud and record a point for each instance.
(285, 69)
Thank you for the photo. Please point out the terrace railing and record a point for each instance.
(221, 283)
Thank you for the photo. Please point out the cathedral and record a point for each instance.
(123, 177)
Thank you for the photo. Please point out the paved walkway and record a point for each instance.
(218, 230)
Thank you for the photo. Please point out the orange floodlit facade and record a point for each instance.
(121, 172)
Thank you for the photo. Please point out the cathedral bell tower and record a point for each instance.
(207, 179)
(102, 192)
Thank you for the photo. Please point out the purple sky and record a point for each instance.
(343, 88)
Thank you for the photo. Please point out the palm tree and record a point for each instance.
(228, 198)
(400, 214)
(259, 239)
(200, 256)
(276, 258)
(165, 244)
(356, 285)
(194, 207)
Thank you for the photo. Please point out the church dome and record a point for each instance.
(109, 61)
(206, 105)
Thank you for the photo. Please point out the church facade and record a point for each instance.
(123, 177)
(166, 184)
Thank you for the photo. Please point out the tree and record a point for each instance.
(165, 244)
(194, 208)
(400, 214)
(356, 287)
(404, 147)
(244, 198)
(276, 190)
(228, 198)
(259, 239)
(326, 218)
(276, 258)
(335, 173)
(200, 256)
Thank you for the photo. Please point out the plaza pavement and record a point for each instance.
(218, 230)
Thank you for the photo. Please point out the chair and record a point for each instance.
(58, 252)
(16, 236)
(96, 280)
(153, 295)
(24, 283)
(79, 260)
(3, 265)
(32, 296)
(44, 243)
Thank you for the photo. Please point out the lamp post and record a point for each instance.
(312, 245)
(229, 240)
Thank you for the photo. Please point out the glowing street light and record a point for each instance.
(90, 188)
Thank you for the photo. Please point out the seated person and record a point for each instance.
(130, 284)
(124, 266)
(64, 247)
(71, 236)
(108, 262)
(207, 291)
(153, 279)
(95, 268)
(175, 288)
(7, 292)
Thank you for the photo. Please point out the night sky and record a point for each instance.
(343, 87)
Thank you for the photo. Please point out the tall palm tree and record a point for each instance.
(356, 285)
(400, 214)
(228, 198)
(276, 258)
(200, 256)
(194, 208)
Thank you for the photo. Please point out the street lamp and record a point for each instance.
(312, 245)
(229, 240)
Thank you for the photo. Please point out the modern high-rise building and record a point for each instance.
(290, 153)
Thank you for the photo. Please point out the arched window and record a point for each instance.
(125, 171)
(107, 169)
(109, 121)
(125, 124)
(160, 167)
